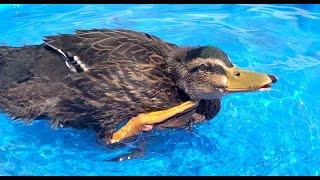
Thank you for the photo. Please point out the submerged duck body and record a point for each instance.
(101, 78)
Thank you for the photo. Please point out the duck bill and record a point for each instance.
(240, 80)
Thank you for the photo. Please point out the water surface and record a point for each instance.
(262, 133)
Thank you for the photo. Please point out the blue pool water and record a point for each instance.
(263, 133)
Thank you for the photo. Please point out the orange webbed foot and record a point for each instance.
(145, 121)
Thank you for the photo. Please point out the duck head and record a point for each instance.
(207, 73)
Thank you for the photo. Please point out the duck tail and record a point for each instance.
(17, 68)
(15, 64)
(28, 77)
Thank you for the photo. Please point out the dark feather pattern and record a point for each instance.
(127, 74)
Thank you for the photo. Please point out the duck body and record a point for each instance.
(94, 79)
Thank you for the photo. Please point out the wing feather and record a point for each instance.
(86, 49)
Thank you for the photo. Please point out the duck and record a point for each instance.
(119, 82)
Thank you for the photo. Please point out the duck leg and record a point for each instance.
(145, 121)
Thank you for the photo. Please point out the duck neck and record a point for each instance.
(176, 67)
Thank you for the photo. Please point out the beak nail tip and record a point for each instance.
(274, 79)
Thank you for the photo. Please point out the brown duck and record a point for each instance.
(118, 82)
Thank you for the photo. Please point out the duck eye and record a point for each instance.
(200, 68)
(237, 74)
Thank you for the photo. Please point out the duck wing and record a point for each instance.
(125, 63)
(90, 49)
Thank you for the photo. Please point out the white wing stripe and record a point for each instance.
(71, 62)
(82, 65)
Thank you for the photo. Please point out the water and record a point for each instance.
(262, 133)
